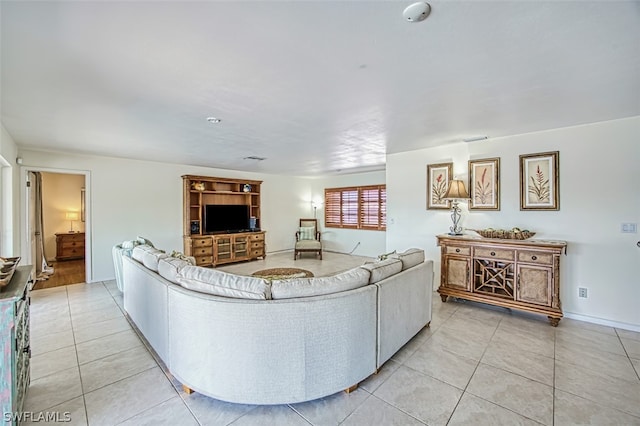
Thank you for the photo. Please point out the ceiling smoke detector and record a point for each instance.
(417, 12)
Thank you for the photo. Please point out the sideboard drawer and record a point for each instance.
(494, 253)
(462, 251)
(257, 237)
(541, 258)
(256, 245)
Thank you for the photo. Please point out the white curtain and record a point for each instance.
(43, 269)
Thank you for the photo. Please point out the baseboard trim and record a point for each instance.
(601, 321)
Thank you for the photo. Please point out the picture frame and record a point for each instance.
(438, 177)
(540, 181)
(82, 204)
(484, 184)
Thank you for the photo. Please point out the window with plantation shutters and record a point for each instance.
(362, 207)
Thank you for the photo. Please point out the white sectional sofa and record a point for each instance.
(248, 340)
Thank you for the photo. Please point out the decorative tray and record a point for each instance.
(512, 234)
(7, 268)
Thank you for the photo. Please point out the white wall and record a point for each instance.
(60, 193)
(372, 243)
(130, 198)
(9, 195)
(599, 177)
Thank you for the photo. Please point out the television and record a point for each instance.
(225, 218)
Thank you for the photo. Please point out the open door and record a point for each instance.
(41, 269)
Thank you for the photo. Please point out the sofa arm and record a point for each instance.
(404, 308)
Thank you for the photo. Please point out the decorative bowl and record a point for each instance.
(513, 234)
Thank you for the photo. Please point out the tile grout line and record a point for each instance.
(509, 372)
(474, 372)
(75, 346)
(624, 348)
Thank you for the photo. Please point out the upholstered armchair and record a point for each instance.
(308, 238)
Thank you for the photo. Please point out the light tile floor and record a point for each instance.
(475, 365)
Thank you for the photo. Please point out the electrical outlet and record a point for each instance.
(582, 292)
(629, 228)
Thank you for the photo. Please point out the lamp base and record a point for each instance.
(455, 233)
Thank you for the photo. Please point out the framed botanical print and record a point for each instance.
(82, 204)
(540, 181)
(484, 184)
(438, 177)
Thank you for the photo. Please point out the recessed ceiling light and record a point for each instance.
(213, 120)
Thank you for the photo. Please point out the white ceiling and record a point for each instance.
(313, 86)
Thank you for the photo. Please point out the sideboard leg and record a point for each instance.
(554, 321)
(444, 297)
(187, 389)
(351, 389)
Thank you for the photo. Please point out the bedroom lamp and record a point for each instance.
(71, 216)
(456, 192)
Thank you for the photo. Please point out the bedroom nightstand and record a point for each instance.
(70, 246)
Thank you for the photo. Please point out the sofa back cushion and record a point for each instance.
(220, 283)
(383, 269)
(138, 252)
(410, 258)
(305, 287)
(148, 256)
(169, 267)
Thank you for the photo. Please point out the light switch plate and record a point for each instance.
(629, 228)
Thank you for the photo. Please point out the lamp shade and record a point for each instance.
(71, 215)
(456, 190)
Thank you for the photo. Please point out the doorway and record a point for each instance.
(56, 227)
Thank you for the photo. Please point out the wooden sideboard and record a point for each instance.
(518, 274)
(70, 245)
(14, 338)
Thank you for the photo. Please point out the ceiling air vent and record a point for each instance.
(253, 157)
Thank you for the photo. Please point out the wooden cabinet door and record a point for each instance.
(535, 284)
(455, 273)
(222, 249)
(240, 247)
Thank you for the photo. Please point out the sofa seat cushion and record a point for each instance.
(383, 269)
(410, 258)
(308, 245)
(220, 283)
(317, 286)
(169, 267)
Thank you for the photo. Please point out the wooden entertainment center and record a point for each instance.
(220, 248)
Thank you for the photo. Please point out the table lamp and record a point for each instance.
(456, 192)
(71, 216)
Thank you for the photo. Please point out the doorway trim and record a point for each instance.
(25, 246)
